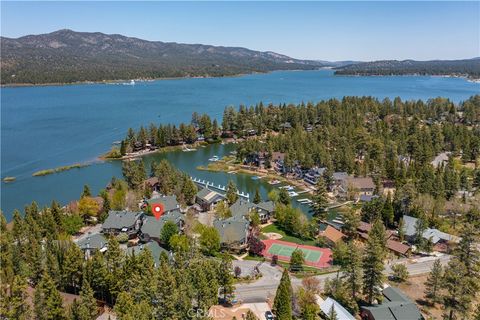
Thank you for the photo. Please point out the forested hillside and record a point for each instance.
(67, 56)
(467, 67)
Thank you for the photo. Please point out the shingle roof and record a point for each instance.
(154, 248)
(93, 241)
(396, 306)
(410, 227)
(361, 182)
(266, 205)
(332, 234)
(121, 219)
(232, 229)
(397, 246)
(169, 202)
(208, 195)
(153, 227)
(342, 314)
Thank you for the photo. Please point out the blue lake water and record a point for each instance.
(47, 127)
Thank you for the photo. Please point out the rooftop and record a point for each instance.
(396, 306)
(153, 227)
(169, 202)
(341, 312)
(121, 219)
(232, 229)
(93, 241)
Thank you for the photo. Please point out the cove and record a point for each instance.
(48, 127)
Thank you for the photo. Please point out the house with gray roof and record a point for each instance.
(435, 235)
(243, 208)
(122, 222)
(151, 227)
(233, 232)
(395, 306)
(208, 199)
(169, 203)
(154, 249)
(92, 243)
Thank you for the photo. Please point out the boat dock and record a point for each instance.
(211, 185)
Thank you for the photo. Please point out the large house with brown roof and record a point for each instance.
(332, 235)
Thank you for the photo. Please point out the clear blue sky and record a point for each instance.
(311, 30)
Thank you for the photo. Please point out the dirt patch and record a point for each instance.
(273, 235)
(414, 288)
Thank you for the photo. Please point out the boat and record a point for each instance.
(292, 193)
(187, 149)
(214, 159)
(256, 178)
(273, 182)
(288, 188)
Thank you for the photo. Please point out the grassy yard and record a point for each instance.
(286, 237)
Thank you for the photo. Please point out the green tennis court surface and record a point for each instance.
(286, 251)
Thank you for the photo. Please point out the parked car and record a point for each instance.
(269, 315)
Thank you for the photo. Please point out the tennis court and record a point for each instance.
(314, 256)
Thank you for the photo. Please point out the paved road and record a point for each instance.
(265, 287)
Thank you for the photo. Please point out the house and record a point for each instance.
(122, 222)
(153, 183)
(208, 199)
(440, 159)
(395, 306)
(243, 208)
(154, 248)
(151, 227)
(327, 305)
(169, 203)
(93, 243)
(367, 198)
(362, 185)
(434, 235)
(313, 174)
(332, 234)
(398, 248)
(233, 232)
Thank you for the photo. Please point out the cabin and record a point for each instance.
(362, 185)
(169, 203)
(153, 183)
(207, 199)
(152, 227)
(332, 235)
(233, 233)
(313, 175)
(329, 304)
(243, 208)
(434, 235)
(154, 249)
(395, 306)
(92, 243)
(122, 222)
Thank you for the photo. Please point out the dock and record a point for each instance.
(219, 187)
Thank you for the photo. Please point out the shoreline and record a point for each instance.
(121, 81)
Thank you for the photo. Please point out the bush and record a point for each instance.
(297, 260)
(122, 237)
(274, 260)
(400, 272)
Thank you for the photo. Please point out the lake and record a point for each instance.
(52, 126)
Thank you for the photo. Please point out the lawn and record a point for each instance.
(287, 237)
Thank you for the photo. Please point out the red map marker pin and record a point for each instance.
(157, 210)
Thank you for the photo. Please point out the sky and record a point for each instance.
(331, 31)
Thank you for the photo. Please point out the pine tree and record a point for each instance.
(167, 293)
(257, 198)
(48, 301)
(86, 191)
(332, 314)
(352, 271)
(18, 309)
(87, 308)
(72, 267)
(225, 277)
(373, 268)
(320, 200)
(434, 282)
(282, 304)
(458, 295)
(231, 194)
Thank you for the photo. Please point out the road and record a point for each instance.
(264, 288)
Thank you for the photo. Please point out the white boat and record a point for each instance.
(273, 182)
(288, 188)
(214, 159)
(292, 193)
(187, 149)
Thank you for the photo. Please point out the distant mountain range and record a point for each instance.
(67, 56)
(466, 67)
